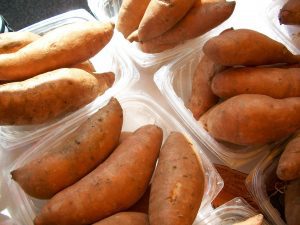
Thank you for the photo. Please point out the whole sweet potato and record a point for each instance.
(62, 47)
(274, 82)
(13, 41)
(125, 218)
(75, 157)
(254, 220)
(290, 13)
(105, 80)
(247, 47)
(289, 163)
(47, 96)
(178, 183)
(292, 202)
(161, 16)
(113, 186)
(251, 119)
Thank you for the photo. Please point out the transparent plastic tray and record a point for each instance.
(175, 83)
(138, 110)
(108, 59)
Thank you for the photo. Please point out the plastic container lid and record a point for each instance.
(108, 59)
(138, 110)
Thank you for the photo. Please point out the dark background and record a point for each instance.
(22, 13)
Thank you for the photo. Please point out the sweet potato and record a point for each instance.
(130, 15)
(105, 80)
(254, 220)
(86, 65)
(292, 202)
(162, 15)
(274, 82)
(126, 218)
(178, 183)
(290, 13)
(202, 98)
(151, 49)
(289, 163)
(203, 16)
(113, 186)
(251, 119)
(62, 47)
(47, 96)
(247, 47)
(13, 41)
(75, 156)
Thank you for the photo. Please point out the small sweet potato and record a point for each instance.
(113, 186)
(274, 82)
(254, 220)
(247, 47)
(289, 163)
(105, 80)
(292, 202)
(178, 183)
(125, 218)
(290, 13)
(13, 41)
(251, 119)
(46, 96)
(86, 65)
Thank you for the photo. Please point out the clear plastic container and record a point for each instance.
(138, 110)
(234, 211)
(108, 59)
(290, 34)
(175, 83)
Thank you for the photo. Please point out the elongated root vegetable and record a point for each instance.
(75, 156)
(247, 47)
(130, 15)
(292, 202)
(202, 97)
(290, 13)
(125, 218)
(13, 41)
(47, 96)
(289, 163)
(113, 186)
(254, 220)
(254, 119)
(274, 82)
(62, 47)
(105, 80)
(161, 16)
(178, 183)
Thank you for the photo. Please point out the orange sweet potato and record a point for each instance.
(125, 218)
(247, 47)
(178, 183)
(290, 13)
(251, 119)
(86, 65)
(113, 186)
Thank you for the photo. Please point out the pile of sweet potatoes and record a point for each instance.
(46, 77)
(98, 175)
(246, 89)
(159, 25)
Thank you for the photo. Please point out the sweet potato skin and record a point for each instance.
(289, 162)
(129, 168)
(254, 220)
(105, 81)
(75, 157)
(86, 65)
(292, 202)
(178, 184)
(125, 218)
(62, 47)
(247, 47)
(274, 82)
(47, 96)
(290, 13)
(251, 119)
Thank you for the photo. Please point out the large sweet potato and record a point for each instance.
(251, 119)
(290, 13)
(292, 202)
(178, 183)
(113, 186)
(125, 218)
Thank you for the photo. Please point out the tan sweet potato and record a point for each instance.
(86, 65)
(75, 157)
(105, 80)
(254, 220)
(292, 202)
(130, 15)
(47, 96)
(289, 163)
(125, 218)
(161, 16)
(251, 119)
(274, 82)
(202, 97)
(247, 47)
(13, 41)
(113, 186)
(178, 183)
(290, 13)
(62, 47)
